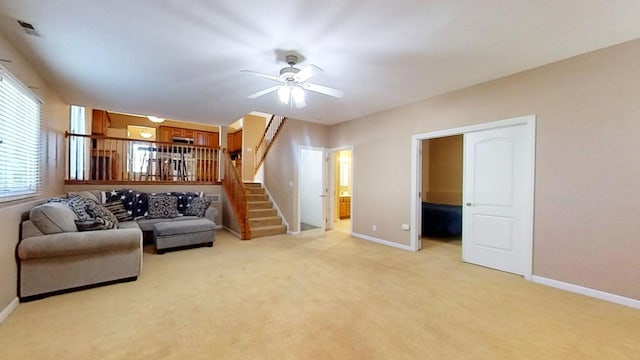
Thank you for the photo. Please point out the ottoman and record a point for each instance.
(182, 233)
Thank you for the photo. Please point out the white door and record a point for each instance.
(497, 198)
(312, 187)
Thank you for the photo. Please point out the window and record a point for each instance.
(78, 147)
(19, 139)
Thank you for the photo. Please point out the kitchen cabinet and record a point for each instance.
(234, 141)
(345, 207)
(100, 122)
(164, 133)
(205, 138)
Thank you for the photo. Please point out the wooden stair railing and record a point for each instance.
(270, 134)
(237, 194)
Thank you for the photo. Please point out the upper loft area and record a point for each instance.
(110, 147)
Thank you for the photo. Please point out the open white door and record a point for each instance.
(498, 198)
(312, 188)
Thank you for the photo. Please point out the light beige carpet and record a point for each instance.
(304, 297)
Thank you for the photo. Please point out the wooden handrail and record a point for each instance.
(270, 134)
(102, 137)
(237, 194)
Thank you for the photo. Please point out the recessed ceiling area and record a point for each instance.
(182, 60)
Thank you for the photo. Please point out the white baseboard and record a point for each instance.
(218, 227)
(587, 291)
(9, 309)
(381, 241)
(233, 232)
(294, 233)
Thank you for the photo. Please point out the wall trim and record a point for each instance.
(294, 233)
(382, 241)
(275, 205)
(4, 314)
(233, 232)
(587, 291)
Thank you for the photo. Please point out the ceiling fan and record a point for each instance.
(292, 89)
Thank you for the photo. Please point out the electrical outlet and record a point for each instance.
(405, 227)
(374, 228)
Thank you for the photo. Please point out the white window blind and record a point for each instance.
(78, 147)
(19, 139)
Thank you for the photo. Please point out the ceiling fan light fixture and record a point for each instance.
(155, 119)
(284, 94)
(297, 94)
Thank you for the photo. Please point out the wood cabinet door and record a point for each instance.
(99, 122)
(212, 139)
(236, 140)
(230, 143)
(200, 137)
(177, 132)
(164, 133)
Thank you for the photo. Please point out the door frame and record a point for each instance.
(323, 211)
(529, 121)
(332, 186)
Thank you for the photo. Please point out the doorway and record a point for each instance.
(441, 189)
(312, 189)
(497, 193)
(342, 182)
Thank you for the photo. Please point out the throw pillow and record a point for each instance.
(79, 206)
(184, 199)
(117, 209)
(102, 219)
(162, 206)
(198, 206)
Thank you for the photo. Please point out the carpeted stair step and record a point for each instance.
(268, 230)
(257, 197)
(264, 221)
(260, 213)
(255, 191)
(253, 205)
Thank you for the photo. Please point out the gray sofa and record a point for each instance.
(54, 256)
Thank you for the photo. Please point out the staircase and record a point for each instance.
(263, 218)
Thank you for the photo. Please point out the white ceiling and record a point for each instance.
(181, 59)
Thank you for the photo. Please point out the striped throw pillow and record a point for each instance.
(117, 208)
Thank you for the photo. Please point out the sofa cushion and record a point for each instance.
(95, 195)
(101, 219)
(182, 227)
(79, 205)
(198, 206)
(147, 224)
(184, 200)
(96, 242)
(53, 217)
(162, 206)
(136, 203)
(117, 209)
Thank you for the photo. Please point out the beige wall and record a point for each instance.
(587, 162)
(55, 121)
(281, 164)
(444, 170)
(252, 131)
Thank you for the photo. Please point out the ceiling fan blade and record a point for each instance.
(263, 92)
(255, 73)
(323, 90)
(307, 72)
